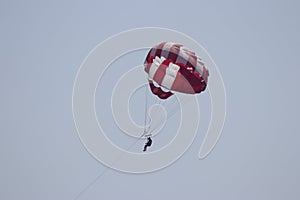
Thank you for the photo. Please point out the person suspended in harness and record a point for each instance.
(148, 143)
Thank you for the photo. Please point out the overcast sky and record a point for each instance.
(255, 45)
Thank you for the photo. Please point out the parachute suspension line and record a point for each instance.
(159, 102)
(162, 104)
(171, 108)
(146, 110)
(156, 100)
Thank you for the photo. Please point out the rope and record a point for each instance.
(146, 109)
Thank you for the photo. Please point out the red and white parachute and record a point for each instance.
(171, 67)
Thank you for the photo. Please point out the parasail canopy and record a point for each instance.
(171, 67)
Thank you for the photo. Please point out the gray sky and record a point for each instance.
(255, 45)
